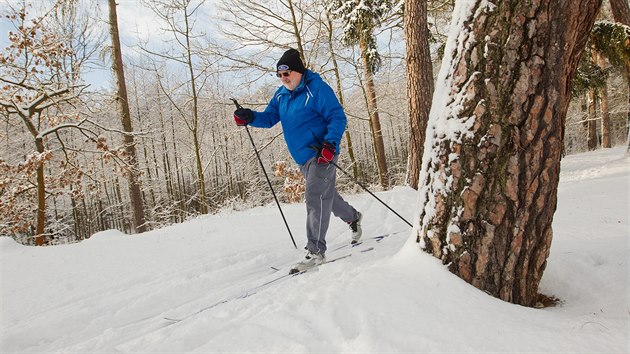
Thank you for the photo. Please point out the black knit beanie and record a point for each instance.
(291, 60)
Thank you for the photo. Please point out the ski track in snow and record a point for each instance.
(111, 293)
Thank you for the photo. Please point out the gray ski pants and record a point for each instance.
(322, 199)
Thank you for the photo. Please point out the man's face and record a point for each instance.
(290, 78)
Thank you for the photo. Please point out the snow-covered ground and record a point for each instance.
(112, 292)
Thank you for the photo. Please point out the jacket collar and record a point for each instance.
(306, 78)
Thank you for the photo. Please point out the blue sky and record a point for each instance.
(135, 21)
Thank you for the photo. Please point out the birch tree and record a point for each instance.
(490, 170)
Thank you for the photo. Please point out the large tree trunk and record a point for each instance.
(375, 122)
(621, 11)
(496, 128)
(135, 193)
(419, 83)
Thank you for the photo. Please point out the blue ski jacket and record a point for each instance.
(310, 115)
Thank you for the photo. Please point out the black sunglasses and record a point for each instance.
(284, 73)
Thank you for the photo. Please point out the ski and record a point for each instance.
(243, 295)
(295, 271)
(351, 245)
(254, 290)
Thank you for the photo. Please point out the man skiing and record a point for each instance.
(313, 123)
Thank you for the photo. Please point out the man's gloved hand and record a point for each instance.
(243, 116)
(326, 153)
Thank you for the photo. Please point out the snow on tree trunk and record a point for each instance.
(490, 169)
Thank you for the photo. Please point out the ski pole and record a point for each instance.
(372, 194)
(238, 106)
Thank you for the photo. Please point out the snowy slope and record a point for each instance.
(112, 292)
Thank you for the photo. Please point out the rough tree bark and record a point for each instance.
(419, 83)
(621, 11)
(135, 193)
(494, 142)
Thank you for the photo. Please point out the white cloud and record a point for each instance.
(136, 21)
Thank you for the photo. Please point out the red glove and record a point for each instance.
(326, 153)
(243, 116)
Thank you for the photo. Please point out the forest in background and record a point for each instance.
(192, 159)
